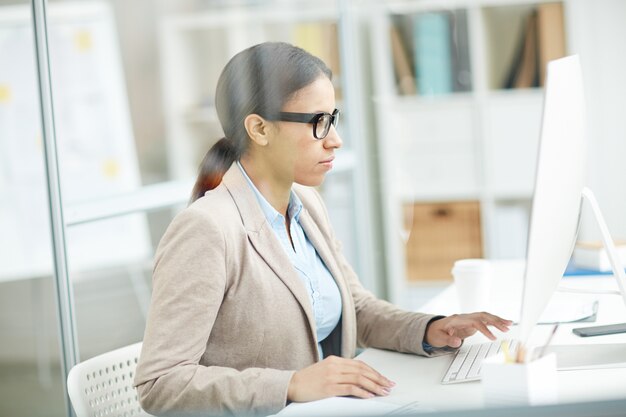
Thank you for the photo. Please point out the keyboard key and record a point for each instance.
(494, 348)
(458, 361)
(477, 365)
(467, 364)
(469, 360)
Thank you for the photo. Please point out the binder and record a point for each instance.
(551, 35)
(402, 63)
(320, 39)
(461, 65)
(524, 69)
(432, 53)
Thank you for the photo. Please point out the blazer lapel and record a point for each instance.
(315, 235)
(268, 246)
(264, 241)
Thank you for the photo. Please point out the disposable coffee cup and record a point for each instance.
(472, 278)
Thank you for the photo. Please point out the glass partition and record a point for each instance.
(31, 375)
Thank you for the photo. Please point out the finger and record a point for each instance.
(372, 378)
(498, 322)
(481, 327)
(365, 383)
(454, 341)
(492, 318)
(360, 367)
(498, 325)
(466, 332)
(354, 390)
(501, 327)
(451, 335)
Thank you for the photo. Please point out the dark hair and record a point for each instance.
(258, 80)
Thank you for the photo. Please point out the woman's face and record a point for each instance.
(297, 153)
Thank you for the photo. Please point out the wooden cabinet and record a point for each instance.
(439, 234)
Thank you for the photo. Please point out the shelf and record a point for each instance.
(436, 100)
(441, 195)
(533, 93)
(216, 18)
(412, 6)
(410, 103)
(147, 198)
(449, 195)
(512, 195)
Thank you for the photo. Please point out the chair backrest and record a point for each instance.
(103, 385)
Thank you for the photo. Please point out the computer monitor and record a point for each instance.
(559, 192)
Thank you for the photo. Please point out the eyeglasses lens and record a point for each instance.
(323, 126)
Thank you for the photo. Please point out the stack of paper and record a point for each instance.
(592, 255)
(345, 406)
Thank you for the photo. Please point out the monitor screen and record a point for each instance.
(558, 189)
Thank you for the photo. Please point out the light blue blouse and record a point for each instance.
(321, 287)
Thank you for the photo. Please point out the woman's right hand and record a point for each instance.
(335, 377)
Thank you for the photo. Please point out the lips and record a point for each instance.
(331, 159)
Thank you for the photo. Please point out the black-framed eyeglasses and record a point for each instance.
(321, 121)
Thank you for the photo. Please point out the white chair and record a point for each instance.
(103, 385)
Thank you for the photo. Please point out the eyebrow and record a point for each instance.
(318, 111)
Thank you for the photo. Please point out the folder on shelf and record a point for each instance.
(551, 35)
(459, 37)
(321, 40)
(524, 72)
(402, 63)
(432, 53)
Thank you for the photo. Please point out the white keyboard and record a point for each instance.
(468, 361)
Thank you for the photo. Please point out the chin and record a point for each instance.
(312, 181)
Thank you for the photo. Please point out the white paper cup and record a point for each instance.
(472, 278)
(511, 384)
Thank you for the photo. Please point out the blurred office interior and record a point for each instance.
(441, 104)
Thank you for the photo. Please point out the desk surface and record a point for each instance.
(419, 378)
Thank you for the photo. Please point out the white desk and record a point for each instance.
(419, 378)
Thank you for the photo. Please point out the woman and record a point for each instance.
(253, 303)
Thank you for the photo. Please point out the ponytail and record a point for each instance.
(213, 167)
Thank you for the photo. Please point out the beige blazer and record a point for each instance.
(230, 320)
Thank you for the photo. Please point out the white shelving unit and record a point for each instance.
(197, 44)
(479, 145)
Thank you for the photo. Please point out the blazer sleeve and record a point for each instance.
(189, 283)
(381, 324)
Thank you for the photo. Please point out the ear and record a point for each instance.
(257, 128)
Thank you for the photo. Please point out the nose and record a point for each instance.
(333, 140)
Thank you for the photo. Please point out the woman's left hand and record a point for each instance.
(451, 330)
